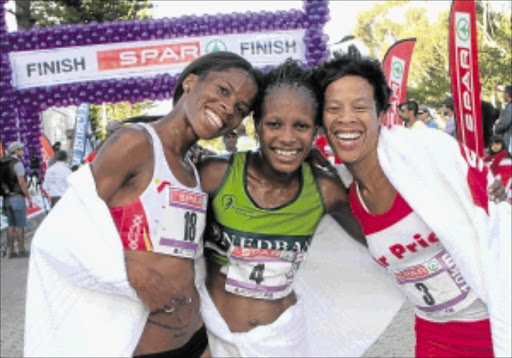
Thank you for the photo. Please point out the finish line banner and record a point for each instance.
(147, 58)
(396, 69)
(465, 81)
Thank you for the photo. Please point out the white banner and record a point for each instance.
(147, 58)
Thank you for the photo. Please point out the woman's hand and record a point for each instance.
(152, 288)
(497, 192)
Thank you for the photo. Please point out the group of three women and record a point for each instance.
(259, 210)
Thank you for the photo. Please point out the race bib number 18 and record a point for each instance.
(182, 223)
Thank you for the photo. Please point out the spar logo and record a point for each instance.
(398, 69)
(215, 45)
(464, 72)
(463, 29)
(145, 56)
(395, 83)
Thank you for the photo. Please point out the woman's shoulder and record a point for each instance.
(212, 170)
(331, 187)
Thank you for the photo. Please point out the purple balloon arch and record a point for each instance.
(20, 109)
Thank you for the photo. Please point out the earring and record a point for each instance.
(185, 88)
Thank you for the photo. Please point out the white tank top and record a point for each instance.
(168, 217)
(400, 241)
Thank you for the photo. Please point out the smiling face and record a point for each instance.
(218, 102)
(287, 127)
(350, 118)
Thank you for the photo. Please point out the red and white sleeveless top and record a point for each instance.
(168, 217)
(424, 271)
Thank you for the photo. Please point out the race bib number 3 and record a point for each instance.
(182, 223)
(262, 273)
(436, 285)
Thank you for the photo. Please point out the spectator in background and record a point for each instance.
(245, 142)
(230, 140)
(15, 207)
(500, 164)
(489, 116)
(409, 114)
(448, 111)
(503, 126)
(55, 183)
(56, 147)
(425, 117)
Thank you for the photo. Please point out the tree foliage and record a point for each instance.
(429, 77)
(64, 12)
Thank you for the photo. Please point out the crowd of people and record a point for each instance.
(113, 267)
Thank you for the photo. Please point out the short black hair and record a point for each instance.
(216, 61)
(293, 74)
(352, 63)
(448, 102)
(61, 155)
(508, 89)
(411, 106)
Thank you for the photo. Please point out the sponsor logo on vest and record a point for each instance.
(188, 198)
(399, 250)
(226, 237)
(229, 202)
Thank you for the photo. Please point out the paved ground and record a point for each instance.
(396, 341)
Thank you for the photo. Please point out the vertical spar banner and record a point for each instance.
(396, 68)
(465, 81)
(81, 125)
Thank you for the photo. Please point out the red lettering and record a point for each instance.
(397, 250)
(411, 247)
(382, 261)
(432, 238)
(420, 240)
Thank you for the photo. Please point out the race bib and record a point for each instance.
(182, 223)
(262, 273)
(435, 285)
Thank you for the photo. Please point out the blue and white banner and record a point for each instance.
(80, 137)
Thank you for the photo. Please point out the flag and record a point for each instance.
(465, 81)
(396, 68)
(80, 137)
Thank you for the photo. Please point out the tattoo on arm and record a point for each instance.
(113, 139)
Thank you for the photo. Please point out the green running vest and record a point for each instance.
(235, 220)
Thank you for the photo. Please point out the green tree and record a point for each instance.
(65, 12)
(429, 77)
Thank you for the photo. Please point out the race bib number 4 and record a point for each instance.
(262, 273)
(436, 285)
(182, 223)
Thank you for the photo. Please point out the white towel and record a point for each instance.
(286, 337)
(430, 172)
(345, 302)
(79, 301)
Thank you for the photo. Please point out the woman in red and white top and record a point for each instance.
(154, 195)
(451, 319)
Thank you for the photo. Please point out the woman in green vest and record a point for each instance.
(264, 208)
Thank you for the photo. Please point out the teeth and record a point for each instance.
(286, 153)
(213, 118)
(348, 136)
